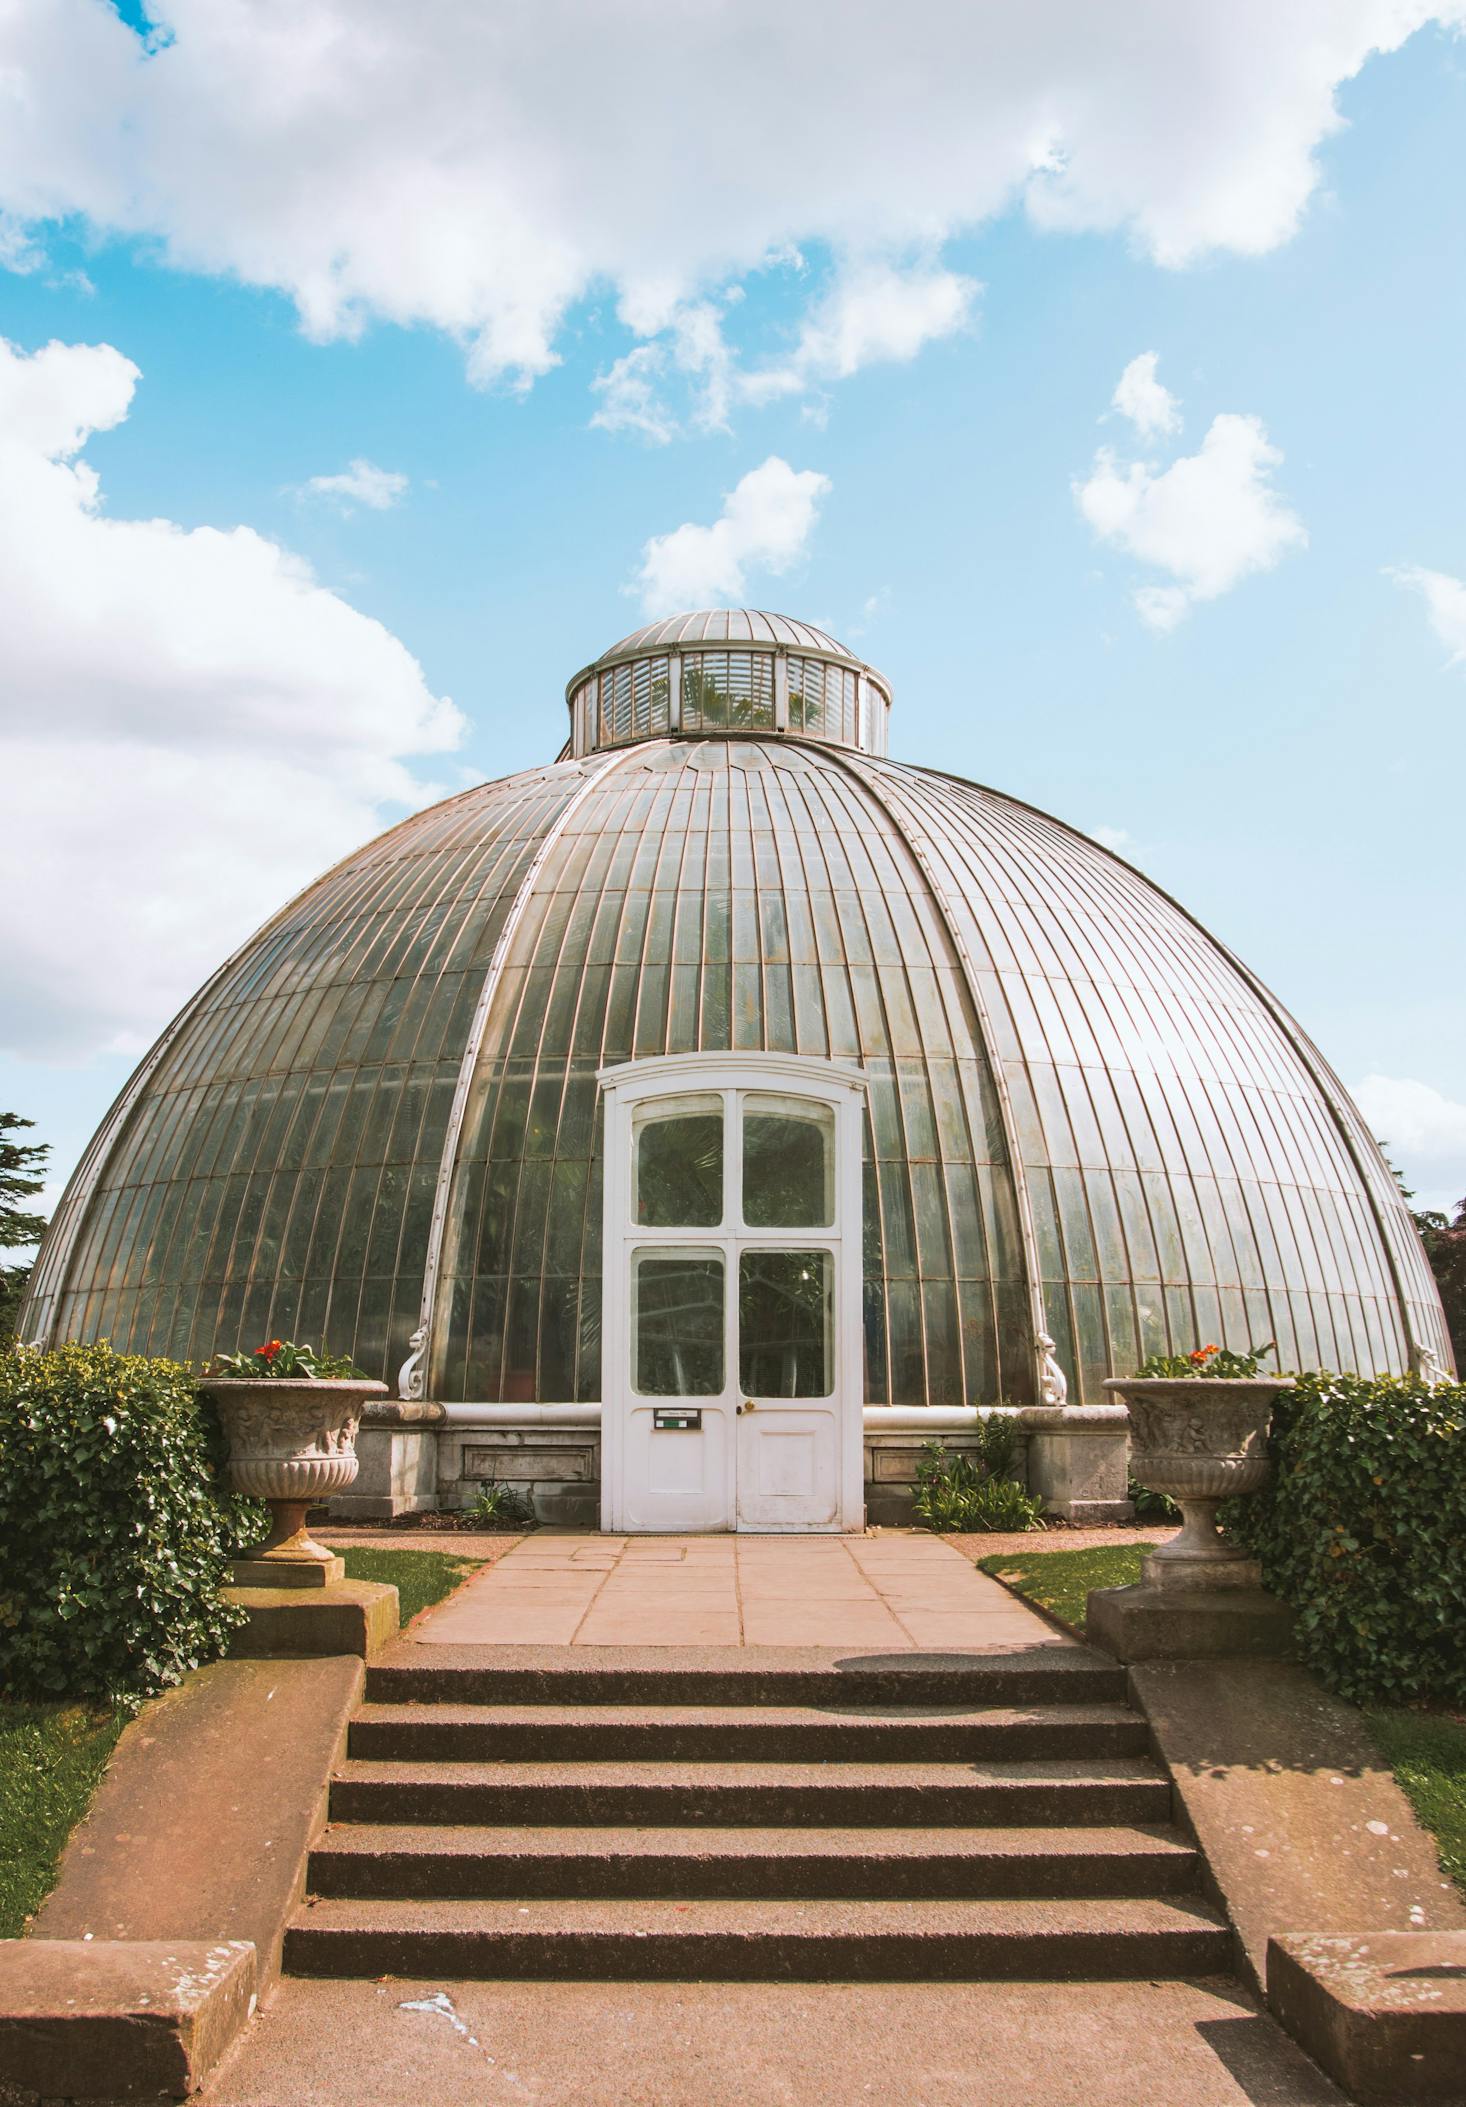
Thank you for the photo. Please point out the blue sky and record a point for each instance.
(1285, 758)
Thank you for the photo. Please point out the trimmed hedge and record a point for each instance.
(1363, 1530)
(115, 1529)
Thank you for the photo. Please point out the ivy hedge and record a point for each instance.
(1363, 1530)
(115, 1527)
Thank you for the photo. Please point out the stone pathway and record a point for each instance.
(892, 1593)
(457, 2044)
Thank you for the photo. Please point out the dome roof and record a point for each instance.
(1086, 1117)
(727, 625)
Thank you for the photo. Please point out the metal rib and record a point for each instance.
(412, 1380)
(844, 758)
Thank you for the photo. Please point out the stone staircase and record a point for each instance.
(768, 1815)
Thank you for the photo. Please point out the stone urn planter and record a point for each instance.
(292, 1442)
(1202, 1439)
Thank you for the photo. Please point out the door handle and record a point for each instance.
(746, 1406)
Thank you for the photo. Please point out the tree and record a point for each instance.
(1445, 1248)
(21, 1166)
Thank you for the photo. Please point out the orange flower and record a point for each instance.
(268, 1351)
(1202, 1355)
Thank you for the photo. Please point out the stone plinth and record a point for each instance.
(1383, 2012)
(350, 1616)
(119, 2019)
(1183, 1619)
(288, 1572)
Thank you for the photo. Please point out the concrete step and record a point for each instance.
(905, 1795)
(884, 1864)
(750, 1675)
(742, 1733)
(758, 1940)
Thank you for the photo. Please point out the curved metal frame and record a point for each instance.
(413, 1375)
(1027, 1238)
(71, 1210)
(1322, 1076)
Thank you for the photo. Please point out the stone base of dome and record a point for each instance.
(422, 1457)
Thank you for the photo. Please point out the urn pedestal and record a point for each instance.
(291, 1443)
(1202, 1440)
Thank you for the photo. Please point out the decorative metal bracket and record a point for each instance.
(1053, 1384)
(412, 1375)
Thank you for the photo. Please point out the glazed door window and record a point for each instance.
(677, 1179)
(785, 1323)
(788, 1163)
(677, 1323)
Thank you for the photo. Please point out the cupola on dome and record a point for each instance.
(728, 669)
(382, 1122)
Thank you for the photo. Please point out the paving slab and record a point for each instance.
(404, 2043)
(887, 1594)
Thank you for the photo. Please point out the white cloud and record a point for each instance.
(630, 396)
(1115, 839)
(690, 345)
(480, 169)
(359, 483)
(1151, 408)
(1423, 1132)
(1445, 605)
(765, 525)
(194, 727)
(875, 313)
(1209, 520)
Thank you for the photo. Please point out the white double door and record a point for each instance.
(731, 1350)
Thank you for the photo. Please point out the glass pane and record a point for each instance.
(785, 1343)
(679, 1165)
(788, 1164)
(677, 1324)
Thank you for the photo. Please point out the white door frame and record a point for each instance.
(628, 1087)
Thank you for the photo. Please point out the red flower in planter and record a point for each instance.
(268, 1351)
(1202, 1355)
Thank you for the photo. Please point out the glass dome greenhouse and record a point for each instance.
(382, 1123)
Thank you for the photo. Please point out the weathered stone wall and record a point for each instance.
(418, 1457)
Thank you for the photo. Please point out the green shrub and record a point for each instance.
(497, 1506)
(114, 1528)
(1363, 1530)
(971, 1490)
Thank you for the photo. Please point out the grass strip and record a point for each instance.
(1427, 1752)
(421, 1578)
(51, 1757)
(1060, 1581)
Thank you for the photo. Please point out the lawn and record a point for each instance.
(51, 1757)
(421, 1578)
(1059, 1581)
(1428, 1753)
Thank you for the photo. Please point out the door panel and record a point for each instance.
(788, 1444)
(678, 1480)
